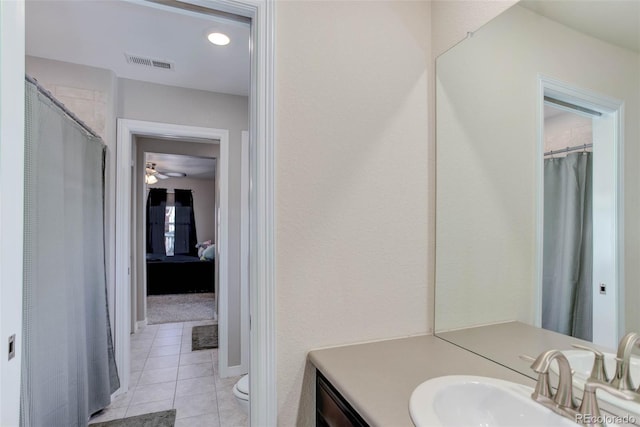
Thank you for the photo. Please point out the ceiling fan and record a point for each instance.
(151, 175)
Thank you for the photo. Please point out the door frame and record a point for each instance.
(245, 318)
(262, 219)
(127, 131)
(608, 308)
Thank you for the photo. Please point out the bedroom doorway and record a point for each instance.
(176, 215)
(134, 132)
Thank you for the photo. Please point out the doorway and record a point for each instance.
(580, 259)
(261, 15)
(175, 212)
(128, 131)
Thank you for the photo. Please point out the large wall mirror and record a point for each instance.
(538, 190)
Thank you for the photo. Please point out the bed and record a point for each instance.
(179, 274)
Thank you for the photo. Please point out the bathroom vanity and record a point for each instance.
(376, 380)
(373, 382)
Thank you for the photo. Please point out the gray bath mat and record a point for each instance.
(204, 337)
(155, 419)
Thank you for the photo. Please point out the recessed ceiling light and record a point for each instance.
(219, 39)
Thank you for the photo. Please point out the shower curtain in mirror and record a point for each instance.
(68, 369)
(568, 246)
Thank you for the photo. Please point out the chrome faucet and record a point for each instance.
(589, 411)
(562, 401)
(622, 378)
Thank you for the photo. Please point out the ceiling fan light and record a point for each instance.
(150, 179)
(176, 174)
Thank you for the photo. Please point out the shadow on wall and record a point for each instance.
(306, 407)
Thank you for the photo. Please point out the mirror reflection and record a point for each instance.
(537, 187)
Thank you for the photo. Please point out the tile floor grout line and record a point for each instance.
(215, 389)
(175, 390)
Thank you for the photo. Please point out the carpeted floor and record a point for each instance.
(180, 308)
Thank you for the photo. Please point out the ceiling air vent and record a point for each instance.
(149, 62)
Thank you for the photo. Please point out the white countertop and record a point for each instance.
(377, 379)
(504, 342)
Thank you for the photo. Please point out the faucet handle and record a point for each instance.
(598, 371)
(584, 347)
(589, 405)
(543, 385)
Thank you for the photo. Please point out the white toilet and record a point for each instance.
(241, 392)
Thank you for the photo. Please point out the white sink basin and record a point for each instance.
(466, 401)
(581, 362)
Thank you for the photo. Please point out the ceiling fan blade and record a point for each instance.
(161, 176)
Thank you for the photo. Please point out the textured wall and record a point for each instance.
(351, 195)
(451, 20)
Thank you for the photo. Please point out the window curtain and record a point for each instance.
(567, 300)
(156, 207)
(68, 369)
(186, 238)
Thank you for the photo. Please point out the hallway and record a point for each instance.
(166, 374)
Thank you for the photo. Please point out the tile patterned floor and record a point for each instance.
(166, 374)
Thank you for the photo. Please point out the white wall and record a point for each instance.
(351, 183)
(486, 159)
(451, 20)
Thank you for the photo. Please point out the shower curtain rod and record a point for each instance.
(572, 106)
(53, 99)
(568, 149)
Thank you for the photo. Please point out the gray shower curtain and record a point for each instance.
(68, 367)
(567, 300)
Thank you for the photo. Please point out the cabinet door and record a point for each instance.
(332, 410)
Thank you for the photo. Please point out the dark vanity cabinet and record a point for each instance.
(332, 410)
